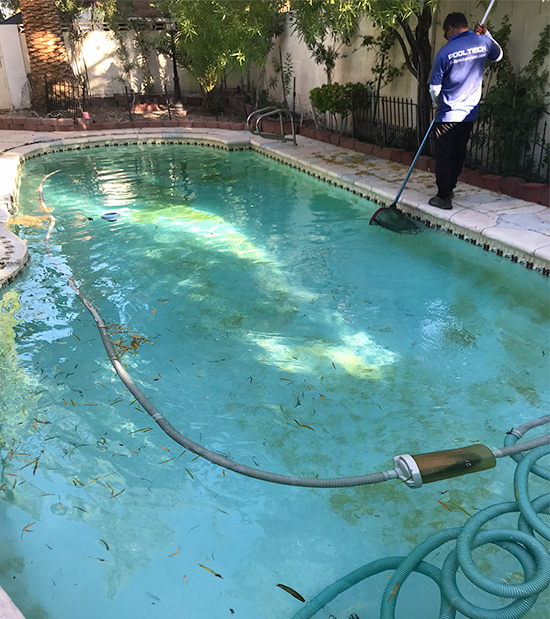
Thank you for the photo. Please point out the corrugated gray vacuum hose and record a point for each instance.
(168, 428)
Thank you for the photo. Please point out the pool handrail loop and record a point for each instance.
(259, 115)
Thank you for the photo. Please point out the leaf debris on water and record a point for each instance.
(26, 529)
(292, 592)
(175, 553)
(393, 592)
(211, 571)
(303, 425)
(29, 463)
(140, 430)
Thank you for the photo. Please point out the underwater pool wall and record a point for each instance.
(509, 227)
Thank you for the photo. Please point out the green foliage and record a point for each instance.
(382, 67)
(337, 99)
(69, 11)
(285, 71)
(391, 13)
(216, 36)
(517, 99)
(325, 27)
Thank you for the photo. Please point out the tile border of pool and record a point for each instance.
(479, 226)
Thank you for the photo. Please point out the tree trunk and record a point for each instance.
(48, 56)
(424, 62)
(173, 53)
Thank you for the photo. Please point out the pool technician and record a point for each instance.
(455, 86)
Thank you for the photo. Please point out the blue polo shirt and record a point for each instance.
(458, 69)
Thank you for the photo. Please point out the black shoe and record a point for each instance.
(451, 194)
(443, 203)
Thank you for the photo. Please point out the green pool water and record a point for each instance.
(266, 320)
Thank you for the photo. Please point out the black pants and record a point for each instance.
(451, 140)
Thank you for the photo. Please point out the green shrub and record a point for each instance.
(337, 100)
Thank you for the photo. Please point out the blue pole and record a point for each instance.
(418, 152)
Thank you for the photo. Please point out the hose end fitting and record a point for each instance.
(407, 470)
(426, 468)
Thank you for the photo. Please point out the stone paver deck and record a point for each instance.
(510, 227)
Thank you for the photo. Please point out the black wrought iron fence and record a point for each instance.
(386, 121)
(393, 122)
(65, 98)
(502, 150)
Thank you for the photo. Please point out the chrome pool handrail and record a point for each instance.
(258, 117)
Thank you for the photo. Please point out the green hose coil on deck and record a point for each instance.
(521, 543)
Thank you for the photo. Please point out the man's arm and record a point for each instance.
(482, 29)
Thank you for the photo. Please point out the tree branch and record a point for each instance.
(403, 45)
(410, 36)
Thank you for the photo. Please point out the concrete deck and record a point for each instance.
(510, 227)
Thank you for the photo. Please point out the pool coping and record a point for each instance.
(8, 610)
(509, 227)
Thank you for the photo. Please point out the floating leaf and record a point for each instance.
(292, 592)
(394, 592)
(211, 571)
(141, 429)
(175, 553)
(303, 425)
(26, 529)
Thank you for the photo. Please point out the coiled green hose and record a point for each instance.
(531, 554)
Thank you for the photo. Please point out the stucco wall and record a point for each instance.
(104, 67)
(13, 74)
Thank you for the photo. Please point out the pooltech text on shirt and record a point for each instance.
(458, 69)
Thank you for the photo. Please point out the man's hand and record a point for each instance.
(480, 28)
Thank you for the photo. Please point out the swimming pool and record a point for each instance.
(266, 320)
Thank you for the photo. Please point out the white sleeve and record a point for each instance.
(435, 93)
(488, 34)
